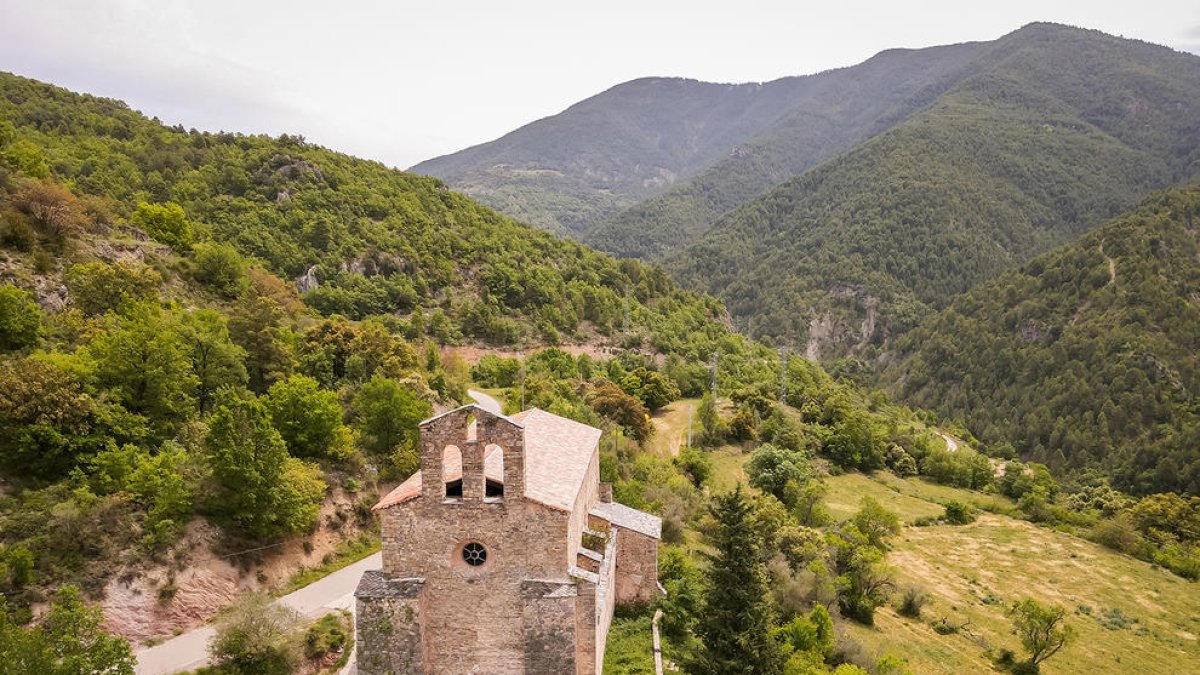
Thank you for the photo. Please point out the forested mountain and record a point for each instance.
(358, 239)
(606, 153)
(838, 109)
(570, 172)
(1055, 130)
(1083, 358)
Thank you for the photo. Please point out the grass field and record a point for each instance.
(670, 427)
(910, 498)
(1129, 616)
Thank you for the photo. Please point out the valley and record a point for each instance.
(895, 365)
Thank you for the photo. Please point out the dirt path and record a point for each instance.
(1112, 265)
(951, 444)
(670, 427)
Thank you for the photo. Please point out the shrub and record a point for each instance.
(20, 319)
(327, 635)
(958, 513)
(99, 287)
(166, 223)
(253, 638)
(912, 600)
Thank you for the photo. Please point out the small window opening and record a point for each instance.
(474, 554)
(452, 457)
(472, 428)
(493, 489)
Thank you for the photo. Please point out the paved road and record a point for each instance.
(190, 650)
(486, 402)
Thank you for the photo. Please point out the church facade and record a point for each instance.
(504, 553)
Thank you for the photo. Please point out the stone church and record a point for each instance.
(504, 553)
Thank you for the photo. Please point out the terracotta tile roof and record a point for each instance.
(558, 452)
(629, 518)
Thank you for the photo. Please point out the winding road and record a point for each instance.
(189, 650)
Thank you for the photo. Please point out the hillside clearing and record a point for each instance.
(1129, 616)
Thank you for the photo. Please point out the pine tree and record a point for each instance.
(736, 624)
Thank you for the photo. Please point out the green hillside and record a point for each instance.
(1083, 358)
(360, 238)
(1058, 130)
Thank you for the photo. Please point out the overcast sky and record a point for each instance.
(402, 81)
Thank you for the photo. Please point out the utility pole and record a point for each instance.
(715, 365)
(626, 329)
(522, 385)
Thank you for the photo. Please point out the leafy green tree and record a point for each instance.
(20, 319)
(144, 362)
(262, 491)
(713, 429)
(1043, 630)
(166, 223)
(855, 444)
(254, 637)
(26, 158)
(876, 523)
(163, 483)
(216, 361)
(68, 641)
(220, 267)
(684, 602)
(308, 418)
(863, 583)
(47, 418)
(696, 463)
(809, 503)
(621, 408)
(386, 414)
(811, 633)
(735, 627)
(256, 325)
(771, 468)
(652, 388)
(376, 351)
(496, 371)
(99, 287)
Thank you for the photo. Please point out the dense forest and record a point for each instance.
(1085, 358)
(875, 192)
(361, 239)
(1061, 131)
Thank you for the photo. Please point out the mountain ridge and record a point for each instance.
(1015, 159)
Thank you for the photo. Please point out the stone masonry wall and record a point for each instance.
(473, 618)
(549, 631)
(388, 626)
(637, 568)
